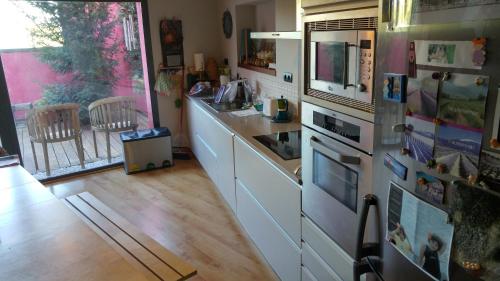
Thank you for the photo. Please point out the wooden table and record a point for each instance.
(41, 238)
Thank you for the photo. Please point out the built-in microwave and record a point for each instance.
(342, 63)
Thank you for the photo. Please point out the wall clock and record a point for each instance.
(227, 24)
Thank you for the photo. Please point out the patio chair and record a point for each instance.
(114, 114)
(55, 123)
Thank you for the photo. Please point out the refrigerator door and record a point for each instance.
(396, 32)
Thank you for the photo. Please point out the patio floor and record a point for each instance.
(63, 158)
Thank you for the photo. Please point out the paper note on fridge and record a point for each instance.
(455, 54)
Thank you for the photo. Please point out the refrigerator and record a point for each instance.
(436, 120)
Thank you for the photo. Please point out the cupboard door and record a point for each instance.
(316, 265)
(212, 144)
(280, 252)
(270, 187)
(329, 252)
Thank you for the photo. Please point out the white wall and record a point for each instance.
(287, 52)
(201, 25)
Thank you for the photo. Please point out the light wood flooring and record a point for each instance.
(182, 210)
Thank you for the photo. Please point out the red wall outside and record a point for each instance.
(26, 75)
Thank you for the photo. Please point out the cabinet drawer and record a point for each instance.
(318, 267)
(307, 275)
(270, 187)
(336, 258)
(280, 252)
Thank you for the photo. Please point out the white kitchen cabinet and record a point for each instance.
(318, 268)
(212, 144)
(278, 249)
(322, 256)
(307, 275)
(278, 194)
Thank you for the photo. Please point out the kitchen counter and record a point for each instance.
(248, 127)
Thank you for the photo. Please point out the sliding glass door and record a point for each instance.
(75, 75)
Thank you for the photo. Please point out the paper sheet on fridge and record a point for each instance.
(419, 231)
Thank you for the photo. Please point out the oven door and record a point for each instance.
(333, 62)
(335, 179)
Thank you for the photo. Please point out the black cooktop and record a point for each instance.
(286, 144)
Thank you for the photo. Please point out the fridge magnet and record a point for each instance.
(419, 231)
(462, 101)
(454, 54)
(458, 148)
(479, 52)
(395, 87)
(430, 188)
(395, 166)
(412, 61)
(476, 239)
(422, 94)
(418, 138)
(490, 170)
(495, 133)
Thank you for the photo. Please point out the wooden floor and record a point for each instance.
(181, 209)
(64, 155)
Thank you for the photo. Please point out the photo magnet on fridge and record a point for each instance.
(490, 170)
(423, 94)
(418, 138)
(458, 148)
(495, 133)
(462, 100)
(430, 188)
(395, 166)
(395, 87)
(419, 231)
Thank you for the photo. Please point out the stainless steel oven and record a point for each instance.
(341, 63)
(336, 171)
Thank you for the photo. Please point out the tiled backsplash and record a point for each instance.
(273, 86)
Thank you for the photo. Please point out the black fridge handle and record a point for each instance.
(363, 250)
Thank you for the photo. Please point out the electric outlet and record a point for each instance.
(288, 77)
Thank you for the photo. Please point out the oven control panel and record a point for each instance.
(366, 43)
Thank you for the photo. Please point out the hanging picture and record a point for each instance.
(455, 54)
(171, 43)
(448, 11)
(430, 188)
(422, 94)
(419, 231)
(418, 138)
(462, 100)
(476, 246)
(458, 148)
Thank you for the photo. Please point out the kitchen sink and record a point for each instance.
(224, 106)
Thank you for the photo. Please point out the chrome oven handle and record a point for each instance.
(347, 47)
(342, 158)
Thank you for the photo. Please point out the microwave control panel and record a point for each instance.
(366, 43)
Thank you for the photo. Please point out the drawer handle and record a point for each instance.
(342, 158)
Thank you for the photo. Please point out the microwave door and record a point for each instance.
(333, 62)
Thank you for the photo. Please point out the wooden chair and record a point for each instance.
(114, 114)
(55, 123)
